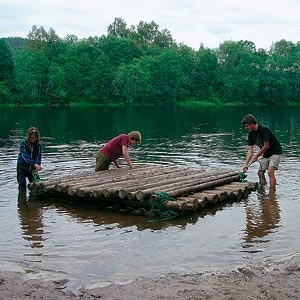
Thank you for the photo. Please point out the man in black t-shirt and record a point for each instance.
(270, 149)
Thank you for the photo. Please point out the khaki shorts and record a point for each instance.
(272, 161)
(102, 162)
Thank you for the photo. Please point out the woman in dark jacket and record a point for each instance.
(29, 159)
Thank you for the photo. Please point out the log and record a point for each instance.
(125, 181)
(230, 194)
(206, 197)
(176, 205)
(221, 195)
(180, 177)
(185, 187)
(127, 176)
(202, 203)
(203, 186)
(192, 203)
(237, 191)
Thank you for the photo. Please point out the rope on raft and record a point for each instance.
(157, 207)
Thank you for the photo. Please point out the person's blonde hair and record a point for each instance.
(135, 135)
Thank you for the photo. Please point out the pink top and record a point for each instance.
(113, 149)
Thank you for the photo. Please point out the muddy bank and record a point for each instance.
(269, 281)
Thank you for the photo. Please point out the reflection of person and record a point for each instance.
(31, 216)
(270, 149)
(29, 159)
(262, 217)
(115, 148)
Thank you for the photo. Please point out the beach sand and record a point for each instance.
(274, 281)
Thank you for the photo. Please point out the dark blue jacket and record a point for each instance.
(29, 155)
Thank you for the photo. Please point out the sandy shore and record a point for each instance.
(272, 281)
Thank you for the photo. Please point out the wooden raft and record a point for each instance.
(186, 189)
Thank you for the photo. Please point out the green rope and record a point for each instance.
(242, 177)
(36, 177)
(157, 206)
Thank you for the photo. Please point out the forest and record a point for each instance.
(142, 64)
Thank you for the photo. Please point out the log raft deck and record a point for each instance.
(178, 189)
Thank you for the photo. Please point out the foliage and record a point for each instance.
(6, 72)
(143, 65)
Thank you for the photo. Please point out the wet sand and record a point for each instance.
(274, 281)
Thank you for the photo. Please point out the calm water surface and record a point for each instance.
(51, 239)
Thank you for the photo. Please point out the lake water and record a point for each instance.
(51, 239)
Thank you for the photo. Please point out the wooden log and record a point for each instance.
(176, 205)
(96, 194)
(184, 187)
(221, 195)
(48, 188)
(129, 175)
(206, 197)
(184, 180)
(243, 189)
(180, 177)
(236, 190)
(107, 175)
(125, 181)
(233, 193)
(200, 198)
(230, 194)
(192, 206)
(203, 186)
(192, 203)
(202, 202)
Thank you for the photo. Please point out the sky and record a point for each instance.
(191, 22)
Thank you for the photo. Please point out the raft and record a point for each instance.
(158, 188)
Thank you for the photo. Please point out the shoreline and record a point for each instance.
(272, 280)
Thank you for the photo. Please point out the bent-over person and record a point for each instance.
(115, 148)
(270, 149)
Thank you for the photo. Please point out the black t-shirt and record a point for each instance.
(261, 135)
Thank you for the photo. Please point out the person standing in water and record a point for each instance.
(29, 158)
(269, 148)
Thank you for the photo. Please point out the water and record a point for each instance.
(51, 239)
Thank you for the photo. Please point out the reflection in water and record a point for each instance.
(262, 217)
(31, 215)
(100, 216)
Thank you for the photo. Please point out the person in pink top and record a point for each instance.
(115, 148)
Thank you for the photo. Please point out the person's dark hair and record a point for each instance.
(33, 131)
(248, 119)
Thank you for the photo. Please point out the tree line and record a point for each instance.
(144, 65)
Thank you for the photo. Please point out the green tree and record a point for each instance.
(168, 78)
(118, 29)
(205, 75)
(239, 70)
(6, 72)
(282, 73)
(132, 83)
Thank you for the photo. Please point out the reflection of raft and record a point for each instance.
(175, 188)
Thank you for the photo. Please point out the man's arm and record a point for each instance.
(126, 155)
(248, 158)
